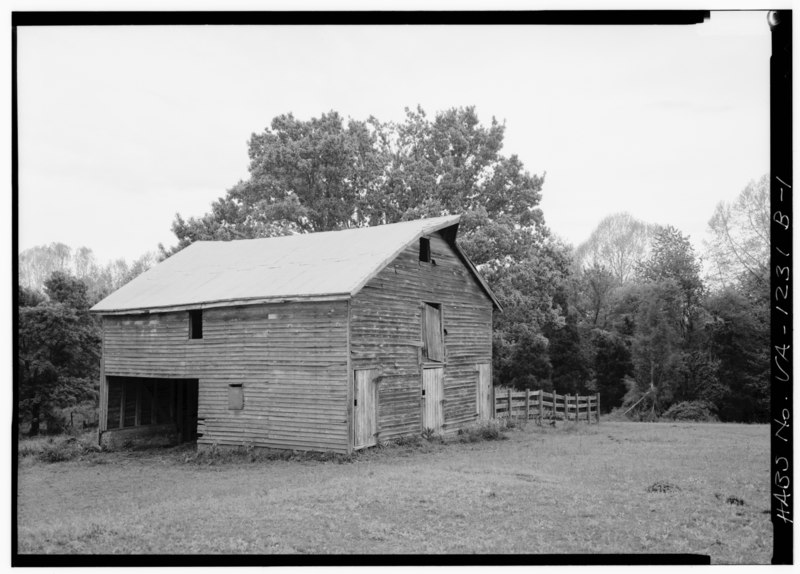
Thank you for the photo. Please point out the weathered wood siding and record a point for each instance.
(386, 334)
(290, 358)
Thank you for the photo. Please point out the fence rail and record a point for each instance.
(541, 405)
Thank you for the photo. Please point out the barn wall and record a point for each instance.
(386, 333)
(290, 358)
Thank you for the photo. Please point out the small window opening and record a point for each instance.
(196, 324)
(235, 397)
(425, 249)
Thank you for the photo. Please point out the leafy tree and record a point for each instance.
(59, 346)
(673, 260)
(618, 244)
(305, 176)
(739, 338)
(29, 297)
(67, 290)
(569, 357)
(739, 244)
(37, 264)
(595, 288)
(612, 364)
(656, 344)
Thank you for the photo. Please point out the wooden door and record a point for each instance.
(365, 408)
(484, 392)
(433, 398)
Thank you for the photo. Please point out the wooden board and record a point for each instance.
(433, 398)
(484, 391)
(365, 408)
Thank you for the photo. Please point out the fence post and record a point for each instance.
(494, 404)
(598, 408)
(541, 406)
(588, 409)
(527, 403)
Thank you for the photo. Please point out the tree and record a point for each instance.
(594, 291)
(305, 176)
(673, 260)
(569, 357)
(39, 263)
(611, 365)
(618, 244)
(656, 344)
(59, 349)
(739, 244)
(739, 338)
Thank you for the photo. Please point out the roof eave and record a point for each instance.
(220, 303)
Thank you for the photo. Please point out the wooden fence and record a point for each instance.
(540, 405)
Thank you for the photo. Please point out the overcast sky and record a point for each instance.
(122, 127)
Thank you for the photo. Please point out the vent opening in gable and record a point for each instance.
(425, 249)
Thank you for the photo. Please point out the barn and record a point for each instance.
(325, 341)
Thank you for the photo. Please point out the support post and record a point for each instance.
(509, 403)
(541, 406)
(527, 404)
(597, 406)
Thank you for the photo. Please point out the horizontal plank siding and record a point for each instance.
(387, 334)
(290, 358)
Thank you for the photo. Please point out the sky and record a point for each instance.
(120, 128)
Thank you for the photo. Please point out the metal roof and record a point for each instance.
(325, 265)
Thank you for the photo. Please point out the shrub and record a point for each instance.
(484, 431)
(691, 411)
(64, 449)
(408, 440)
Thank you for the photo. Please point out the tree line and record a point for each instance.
(629, 313)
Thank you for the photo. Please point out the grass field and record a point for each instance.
(613, 488)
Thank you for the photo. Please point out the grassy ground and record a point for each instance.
(616, 487)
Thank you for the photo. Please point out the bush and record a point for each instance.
(484, 431)
(61, 450)
(700, 411)
(408, 440)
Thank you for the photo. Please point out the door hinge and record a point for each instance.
(355, 402)
(423, 392)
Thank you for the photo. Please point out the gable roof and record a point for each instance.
(313, 266)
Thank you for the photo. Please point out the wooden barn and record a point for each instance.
(324, 341)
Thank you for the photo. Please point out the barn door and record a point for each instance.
(433, 398)
(484, 392)
(365, 408)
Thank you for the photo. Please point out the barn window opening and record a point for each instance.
(235, 397)
(432, 332)
(425, 249)
(196, 324)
